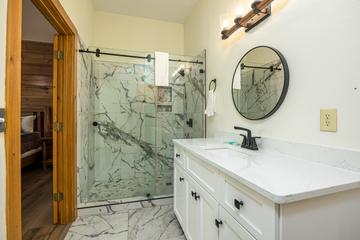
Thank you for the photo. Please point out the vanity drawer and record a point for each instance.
(204, 174)
(256, 213)
(179, 156)
(231, 229)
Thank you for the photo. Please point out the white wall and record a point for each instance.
(3, 13)
(137, 34)
(81, 13)
(321, 45)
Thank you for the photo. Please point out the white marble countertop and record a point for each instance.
(279, 177)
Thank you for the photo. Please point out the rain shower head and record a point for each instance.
(182, 72)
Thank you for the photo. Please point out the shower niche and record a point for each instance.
(133, 123)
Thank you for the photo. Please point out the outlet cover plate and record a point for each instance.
(328, 120)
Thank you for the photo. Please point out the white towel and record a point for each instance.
(237, 79)
(161, 69)
(211, 104)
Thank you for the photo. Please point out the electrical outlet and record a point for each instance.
(328, 120)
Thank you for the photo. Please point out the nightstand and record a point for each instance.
(47, 152)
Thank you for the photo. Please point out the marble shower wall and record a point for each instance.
(133, 150)
(85, 134)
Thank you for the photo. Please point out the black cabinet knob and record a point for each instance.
(95, 124)
(177, 155)
(238, 204)
(193, 194)
(197, 196)
(218, 223)
(181, 179)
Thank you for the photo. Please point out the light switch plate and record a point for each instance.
(328, 120)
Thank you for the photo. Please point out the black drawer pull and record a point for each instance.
(218, 223)
(177, 155)
(181, 179)
(193, 193)
(196, 197)
(238, 204)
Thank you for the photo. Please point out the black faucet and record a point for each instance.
(249, 142)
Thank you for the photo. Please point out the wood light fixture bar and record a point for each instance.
(260, 11)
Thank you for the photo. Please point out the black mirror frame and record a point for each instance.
(285, 87)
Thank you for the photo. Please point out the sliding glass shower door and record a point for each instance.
(134, 123)
(124, 129)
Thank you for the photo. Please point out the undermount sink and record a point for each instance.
(226, 153)
(212, 148)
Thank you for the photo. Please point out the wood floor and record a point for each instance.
(37, 213)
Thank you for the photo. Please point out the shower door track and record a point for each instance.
(126, 202)
(148, 57)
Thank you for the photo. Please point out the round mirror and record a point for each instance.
(260, 83)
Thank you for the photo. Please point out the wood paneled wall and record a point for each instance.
(36, 82)
(36, 76)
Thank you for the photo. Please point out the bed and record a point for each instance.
(31, 148)
(34, 148)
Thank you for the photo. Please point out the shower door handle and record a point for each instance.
(190, 122)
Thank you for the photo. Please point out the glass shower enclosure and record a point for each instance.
(134, 123)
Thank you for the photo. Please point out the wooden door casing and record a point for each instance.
(66, 140)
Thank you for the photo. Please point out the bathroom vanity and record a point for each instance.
(224, 192)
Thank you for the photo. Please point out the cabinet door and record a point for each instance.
(208, 213)
(230, 229)
(180, 195)
(193, 213)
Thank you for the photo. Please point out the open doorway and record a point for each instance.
(37, 165)
(54, 122)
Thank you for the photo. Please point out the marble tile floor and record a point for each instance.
(130, 188)
(147, 220)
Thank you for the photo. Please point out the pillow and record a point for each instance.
(27, 124)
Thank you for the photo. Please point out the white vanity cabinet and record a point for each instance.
(216, 198)
(180, 190)
(210, 206)
(195, 209)
(230, 229)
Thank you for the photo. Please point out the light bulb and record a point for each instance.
(239, 11)
(225, 24)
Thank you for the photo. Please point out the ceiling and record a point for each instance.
(166, 10)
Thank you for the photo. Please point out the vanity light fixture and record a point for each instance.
(260, 10)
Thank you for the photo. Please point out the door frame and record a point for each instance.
(66, 140)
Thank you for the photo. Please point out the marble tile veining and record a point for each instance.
(85, 134)
(131, 144)
(155, 223)
(147, 220)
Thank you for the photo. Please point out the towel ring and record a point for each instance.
(212, 82)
